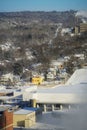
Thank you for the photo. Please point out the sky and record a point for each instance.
(42, 5)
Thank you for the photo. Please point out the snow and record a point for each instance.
(82, 13)
(79, 76)
(29, 54)
(80, 56)
(23, 112)
(7, 46)
(65, 30)
(2, 87)
(59, 94)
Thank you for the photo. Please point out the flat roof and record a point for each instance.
(31, 108)
(78, 88)
(23, 112)
(63, 94)
(3, 109)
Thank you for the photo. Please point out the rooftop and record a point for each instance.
(3, 109)
(30, 108)
(23, 112)
(79, 76)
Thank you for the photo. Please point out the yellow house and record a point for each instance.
(24, 118)
(37, 80)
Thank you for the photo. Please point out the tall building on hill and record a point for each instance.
(83, 27)
(6, 119)
(77, 30)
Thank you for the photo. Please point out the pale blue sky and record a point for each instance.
(42, 5)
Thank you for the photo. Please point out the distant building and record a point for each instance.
(6, 119)
(58, 63)
(50, 76)
(65, 31)
(37, 80)
(9, 79)
(80, 56)
(29, 92)
(77, 30)
(10, 95)
(83, 27)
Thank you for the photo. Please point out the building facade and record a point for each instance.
(6, 119)
(24, 118)
(83, 27)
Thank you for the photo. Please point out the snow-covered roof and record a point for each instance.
(23, 112)
(57, 62)
(63, 94)
(79, 76)
(79, 88)
(6, 46)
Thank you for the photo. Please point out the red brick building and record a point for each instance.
(6, 119)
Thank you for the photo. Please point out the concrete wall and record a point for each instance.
(19, 120)
(30, 120)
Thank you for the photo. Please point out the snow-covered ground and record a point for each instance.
(74, 119)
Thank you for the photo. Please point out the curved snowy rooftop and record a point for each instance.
(63, 94)
(78, 77)
(78, 88)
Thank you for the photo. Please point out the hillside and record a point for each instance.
(32, 38)
(43, 17)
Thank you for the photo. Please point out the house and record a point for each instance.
(9, 78)
(58, 63)
(50, 76)
(37, 80)
(80, 56)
